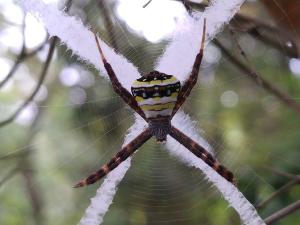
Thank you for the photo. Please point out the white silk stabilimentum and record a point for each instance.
(234, 197)
(180, 52)
(100, 203)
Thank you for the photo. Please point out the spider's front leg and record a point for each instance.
(192, 80)
(117, 86)
(200, 152)
(121, 156)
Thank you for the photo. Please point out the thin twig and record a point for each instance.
(253, 25)
(33, 193)
(242, 52)
(280, 173)
(38, 86)
(278, 192)
(19, 59)
(9, 175)
(23, 55)
(184, 2)
(283, 213)
(259, 80)
(26, 165)
(13, 69)
(17, 154)
(293, 180)
(144, 6)
(108, 23)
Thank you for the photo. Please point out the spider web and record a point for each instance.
(157, 188)
(117, 69)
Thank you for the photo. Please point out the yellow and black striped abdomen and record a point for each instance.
(156, 94)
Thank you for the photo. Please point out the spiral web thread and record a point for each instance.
(185, 44)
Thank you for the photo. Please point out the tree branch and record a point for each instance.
(253, 27)
(280, 173)
(259, 80)
(283, 213)
(102, 5)
(38, 86)
(9, 175)
(278, 192)
(293, 180)
(21, 153)
(147, 3)
(19, 59)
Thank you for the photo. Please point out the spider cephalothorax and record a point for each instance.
(156, 97)
(156, 94)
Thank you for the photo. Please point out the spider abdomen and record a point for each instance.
(156, 94)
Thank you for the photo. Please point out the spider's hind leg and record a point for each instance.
(201, 153)
(121, 156)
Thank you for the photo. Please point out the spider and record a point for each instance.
(156, 97)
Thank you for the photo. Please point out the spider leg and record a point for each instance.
(200, 152)
(117, 159)
(192, 80)
(117, 86)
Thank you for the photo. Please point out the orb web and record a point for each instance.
(158, 189)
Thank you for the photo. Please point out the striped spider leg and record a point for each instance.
(118, 88)
(157, 97)
(201, 153)
(130, 148)
(190, 144)
(192, 80)
(121, 156)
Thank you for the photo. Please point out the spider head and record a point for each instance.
(156, 94)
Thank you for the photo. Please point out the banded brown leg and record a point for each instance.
(117, 159)
(192, 80)
(200, 152)
(117, 86)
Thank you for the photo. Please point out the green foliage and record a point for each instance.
(68, 142)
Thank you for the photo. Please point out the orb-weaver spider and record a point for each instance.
(156, 97)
